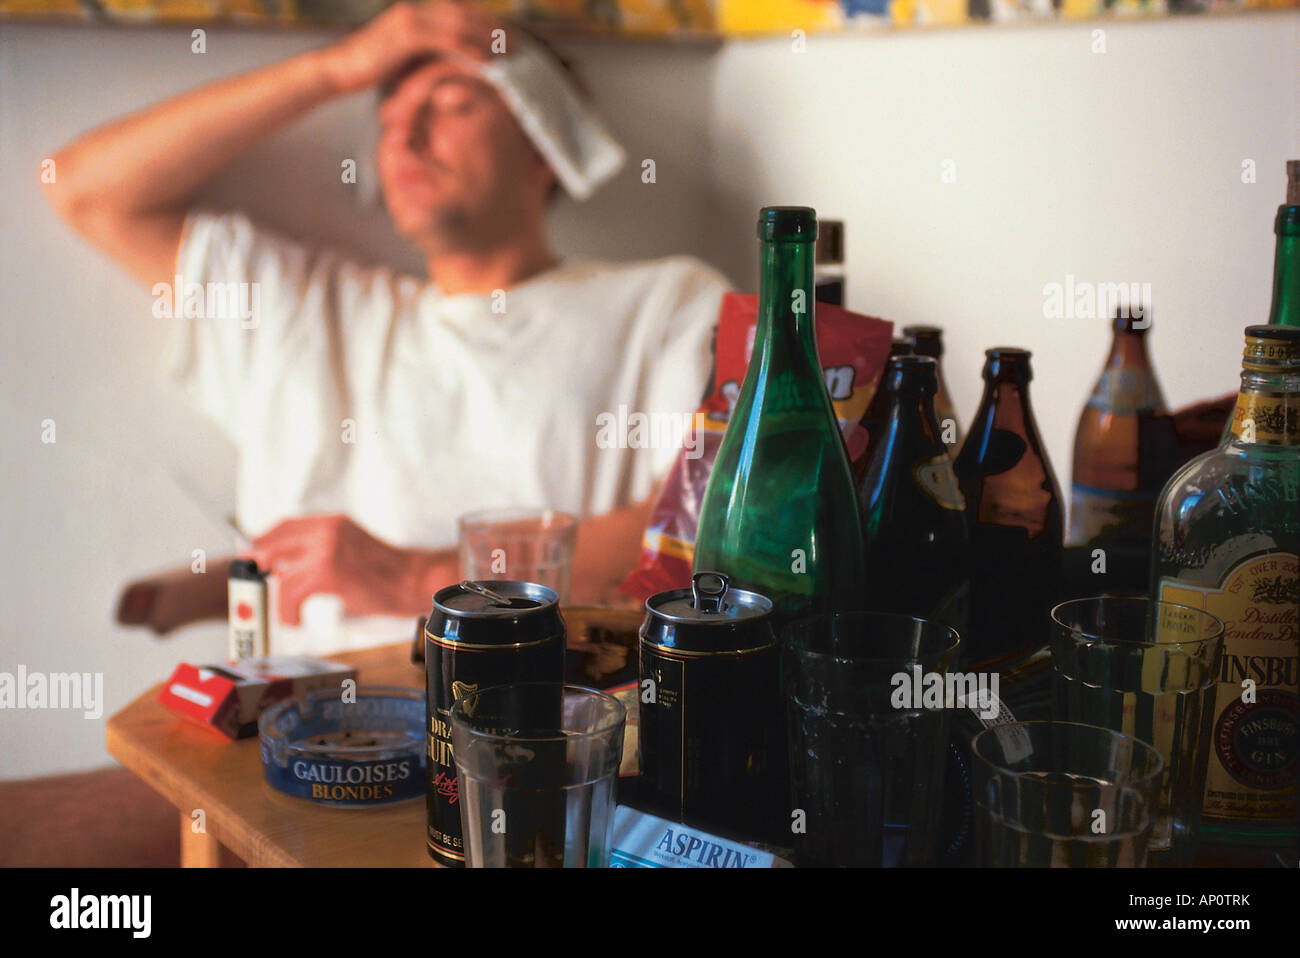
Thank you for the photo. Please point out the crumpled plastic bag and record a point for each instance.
(853, 350)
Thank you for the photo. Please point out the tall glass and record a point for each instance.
(866, 758)
(529, 545)
(1062, 794)
(537, 764)
(1147, 669)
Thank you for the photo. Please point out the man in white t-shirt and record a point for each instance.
(369, 408)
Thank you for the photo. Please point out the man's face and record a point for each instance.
(458, 172)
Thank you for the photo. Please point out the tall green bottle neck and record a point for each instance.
(785, 301)
(1285, 309)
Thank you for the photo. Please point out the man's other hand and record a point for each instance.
(335, 556)
(405, 32)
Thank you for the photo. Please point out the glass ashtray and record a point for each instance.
(346, 750)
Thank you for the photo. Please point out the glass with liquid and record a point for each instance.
(1063, 795)
(537, 763)
(1148, 669)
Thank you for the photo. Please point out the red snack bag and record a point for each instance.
(853, 349)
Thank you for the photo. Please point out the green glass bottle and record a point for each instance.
(1227, 533)
(780, 513)
(1285, 308)
(914, 524)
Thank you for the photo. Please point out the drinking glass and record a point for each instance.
(529, 545)
(537, 764)
(866, 762)
(1063, 794)
(1147, 669)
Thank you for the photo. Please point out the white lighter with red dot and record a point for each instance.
(248, 611)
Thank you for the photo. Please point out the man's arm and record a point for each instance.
(334, 555)
(609, 547)
(127, 186)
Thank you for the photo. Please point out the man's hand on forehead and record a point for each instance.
(404, 34)
(416, 86)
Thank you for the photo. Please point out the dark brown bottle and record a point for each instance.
(1123, 453)
(914, 523)
(1016, 518)
(873, 420)
(828, 258)
(928, 341)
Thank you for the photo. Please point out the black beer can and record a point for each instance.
(712, 730)
(479, 634)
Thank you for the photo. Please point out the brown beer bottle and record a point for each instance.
(914, 522)
(1016, 518)
(873, 420)
(928, 341)
(828, 263)
(1122, 456)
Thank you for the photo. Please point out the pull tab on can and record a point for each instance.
(709, 591)
(479, 589)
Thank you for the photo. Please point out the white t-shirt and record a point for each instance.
(370, 393)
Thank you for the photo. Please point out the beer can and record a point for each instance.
(479, 634)
(712, 730)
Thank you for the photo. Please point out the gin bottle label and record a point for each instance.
(1253, 749)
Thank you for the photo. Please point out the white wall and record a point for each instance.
(1114, 167)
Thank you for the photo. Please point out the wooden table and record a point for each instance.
(198, 769)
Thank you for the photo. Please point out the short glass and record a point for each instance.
(867, 760)
(1147, 669)
(537, 764)
(1062, 794)
(528, 545)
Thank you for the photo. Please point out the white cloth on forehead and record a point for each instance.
(555, 117)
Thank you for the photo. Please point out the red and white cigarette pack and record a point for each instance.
(230, 697)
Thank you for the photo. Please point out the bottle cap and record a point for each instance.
(926, 340)
(1007, 362)
(1132, 318)
(912, 372)
(1271, 348)
(787, 224)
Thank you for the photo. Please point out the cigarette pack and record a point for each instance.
(230, 697)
